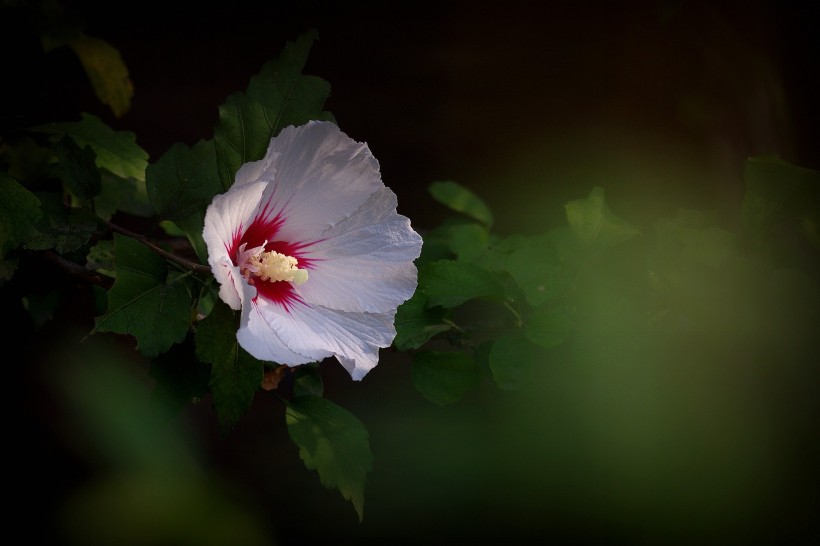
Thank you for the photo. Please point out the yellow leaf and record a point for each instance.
(106, 71)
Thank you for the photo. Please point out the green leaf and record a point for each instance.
(117, 151)
(76, 169)
(192, 227)
(67, 232)
(277, 97)
(594, 223)
(535, 266)
(235, 374)
(25, 160)
(41, 306)
(449, 283)
(184, 180)
(437, 242)
(106, 71)
(469, 241)
(511, 361)
(416, 323)
(308, 380)
(460, 199)
(146, 302)
(19, 213)
(547, 327)
(775, 191)
(119, 194)
(692, 237)
(444, 377)
(100, 258)
(180, 378)
(7, 269)
(333, 442)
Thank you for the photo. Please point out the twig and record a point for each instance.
(187, 264)
(76, 269)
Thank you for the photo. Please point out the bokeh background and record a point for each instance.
(712, 439)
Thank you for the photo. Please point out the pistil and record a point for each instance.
(270, 266)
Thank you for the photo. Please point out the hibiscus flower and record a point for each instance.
(308, 244)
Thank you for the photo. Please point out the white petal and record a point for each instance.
(225, 217)
(317, 332)
(257, 336)
(317, 176)
(230, 283)
(365, 262)
(253, 171)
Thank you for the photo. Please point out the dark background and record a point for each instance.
(530, 105)
(499, 96)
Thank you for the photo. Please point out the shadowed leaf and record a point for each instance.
(460, 199)
(333, 442)
(19, 213)
(444, 377)
(235, 375)
(116, 151)
(416, 323)
(146, 302)
(511, 361)
(184, 180)
(279, 96)
(449, 283)
(594, 223)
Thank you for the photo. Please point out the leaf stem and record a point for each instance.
(453, 325)
(187, 264)
(518, 320)
(76, 269)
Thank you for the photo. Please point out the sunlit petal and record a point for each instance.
(309, 245)
(366, 259)
(225, 217)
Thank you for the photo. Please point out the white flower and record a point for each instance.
(308, 244)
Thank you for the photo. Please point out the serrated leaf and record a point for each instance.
(119, 194)
(277, 97)
(184, 180)
(235, 374)
(65, 236)
(593, 222)
(100, 258)
(145, 302)
(106, 71)
(416, 323)
(776, 190)
(333, 442)
(116, 151)
(511, 360)
(449, 283)
(444, 377)
(19, 213)
(547, 327)
(460, 199)
(76, 169)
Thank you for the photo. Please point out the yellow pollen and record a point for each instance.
(273, 266)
